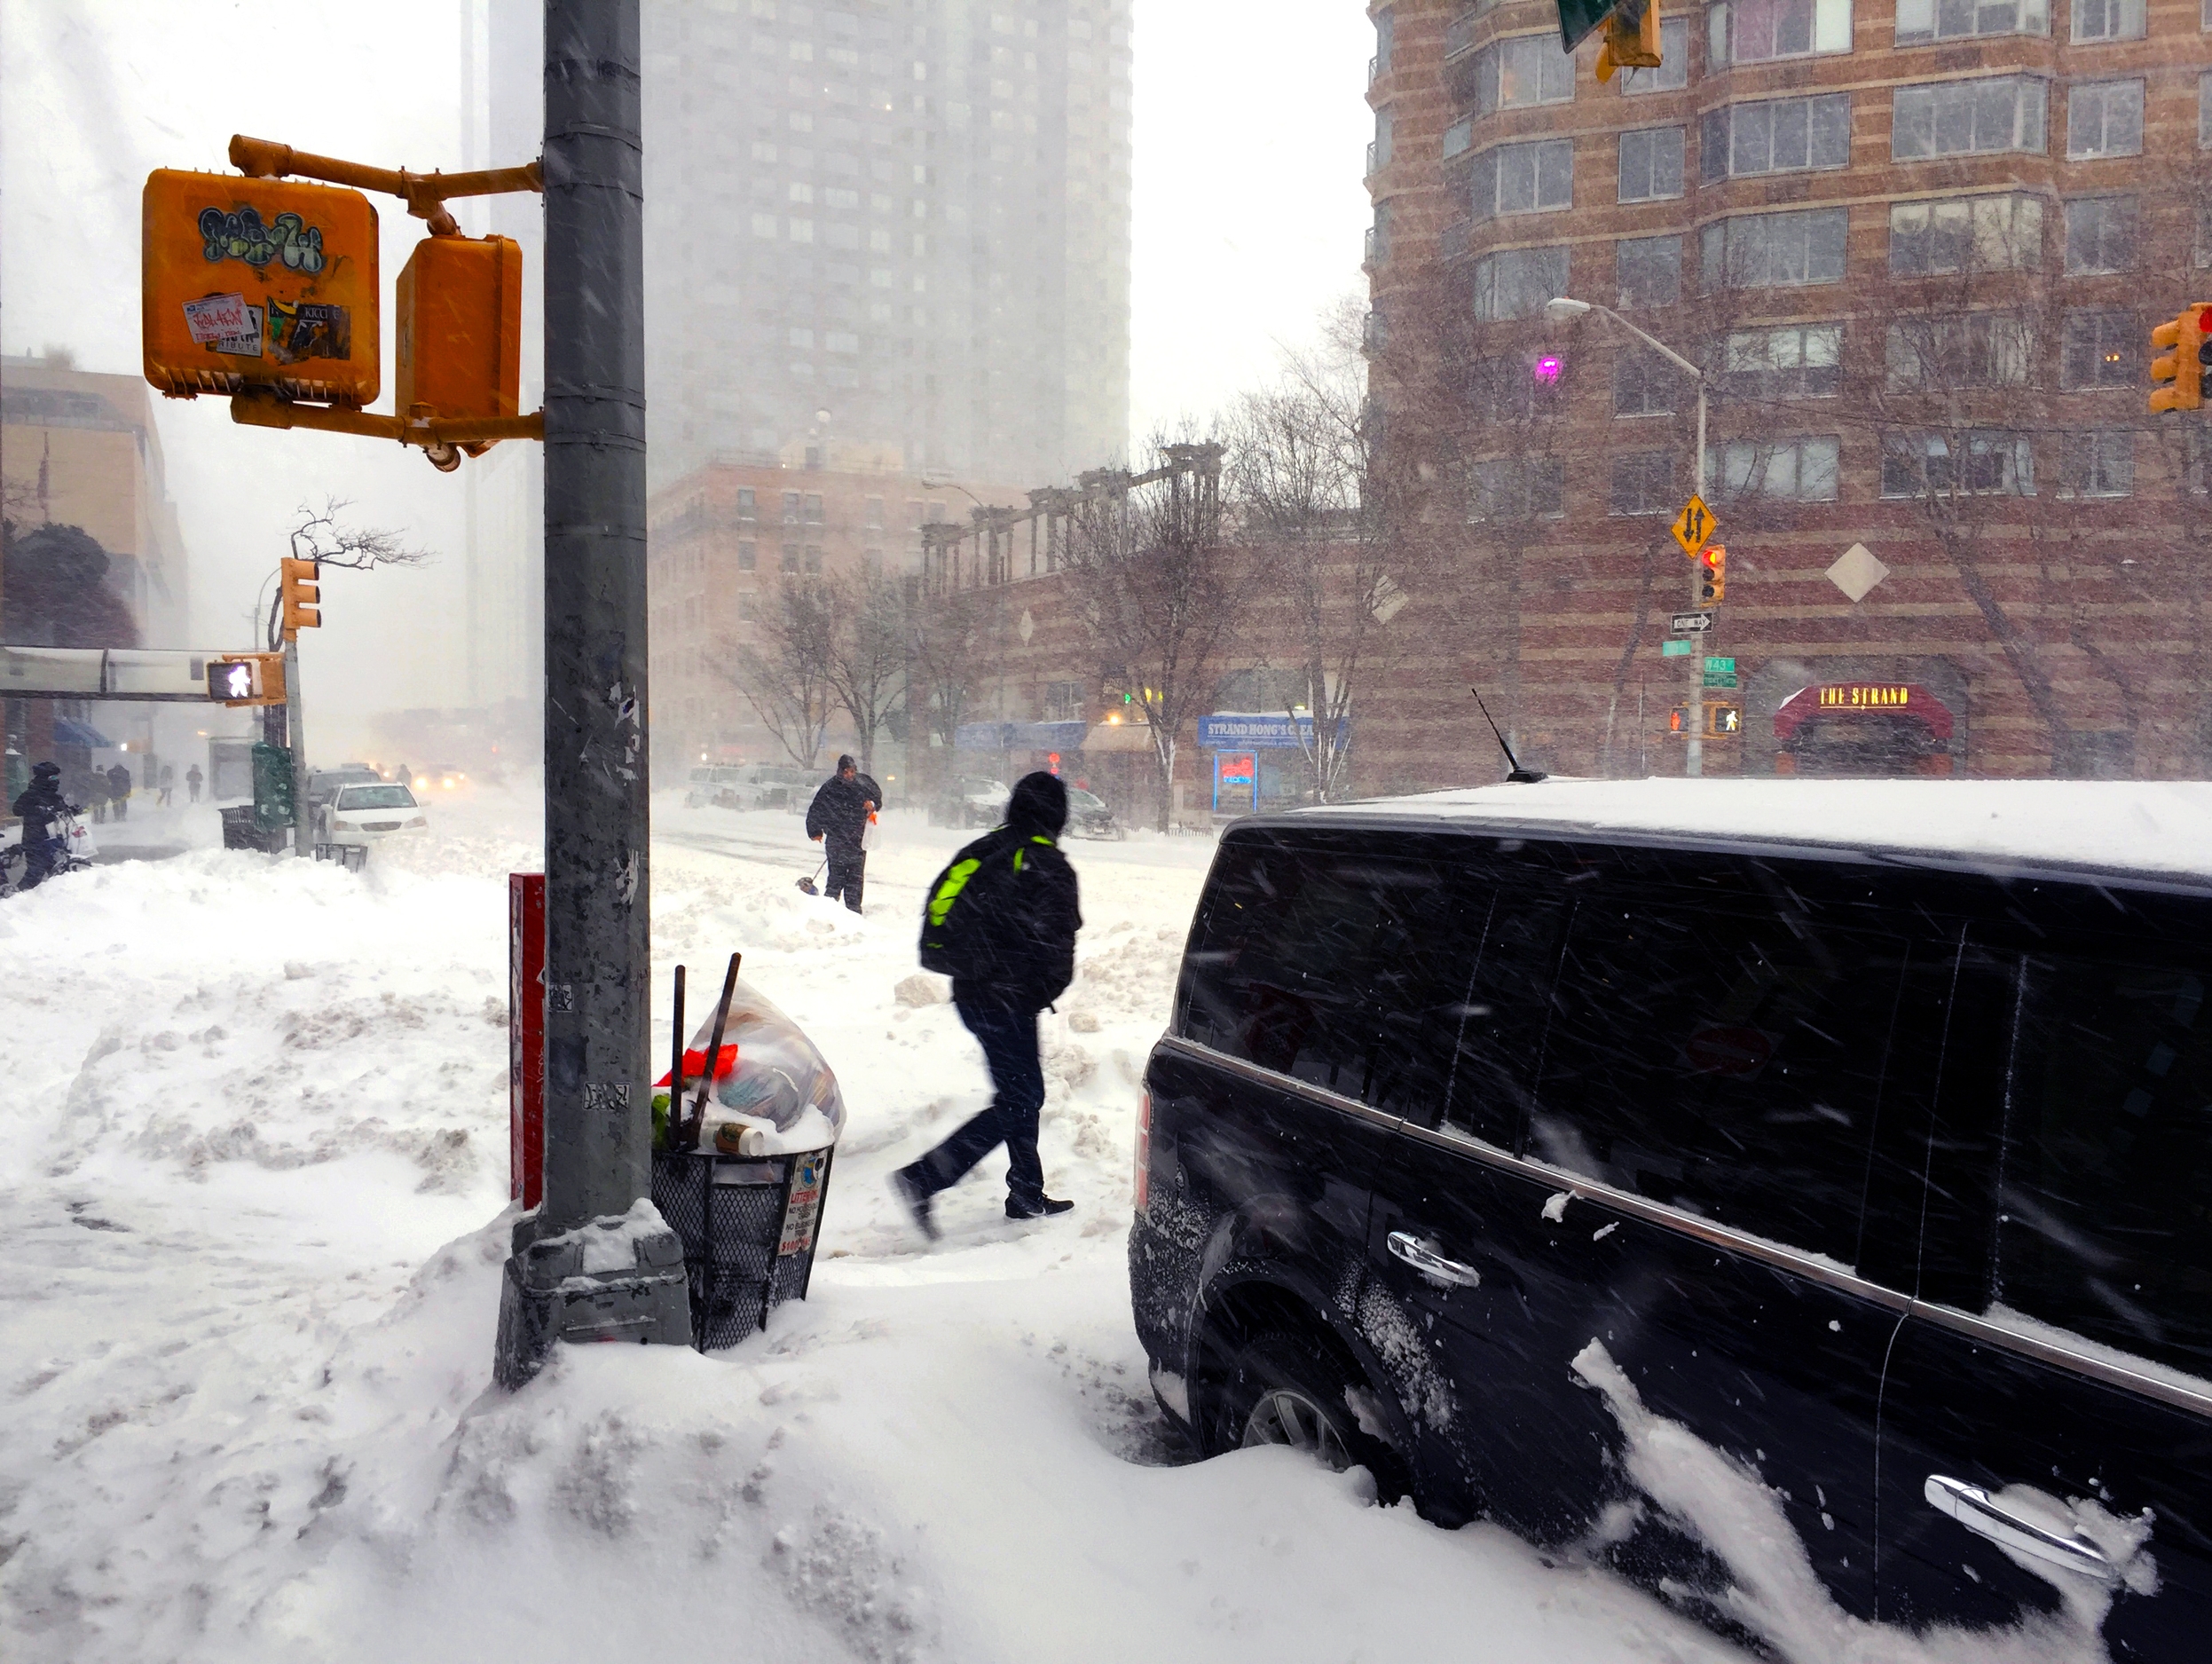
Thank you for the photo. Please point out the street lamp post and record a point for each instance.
(1561, 311)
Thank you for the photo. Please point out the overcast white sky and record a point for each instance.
(1249, 125)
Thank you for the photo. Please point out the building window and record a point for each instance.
(2204, 109)
(2108, 19)
(1648, 271)
(746, 557)
(744, 502)
(1940, 355)
(1064, 701)
(1526, 69)
(875, 514)
(2104, 119)
(1457, 138)
(1651, 164)
(1919, 21)
(813, 507)
(1796, 361)
(2100, 235)
(1760, 31)
(1788, 470)
(1516, 282)
(791, 507)
(1980, 463)
(744, 608)
(1378, 149)
(1975, 233)
(1673, 73)
(1774, 250)
(1644, 482)
(1506, 489)
(1525, 178)
(791, 560)
(2099, 464)
(1644, 384)
(2101, 349)
(1775, 135)
(1961, 118)
(1507, 389)
(814, 560)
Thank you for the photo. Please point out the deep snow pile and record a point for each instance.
(253, 1171)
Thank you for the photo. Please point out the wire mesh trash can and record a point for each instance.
(748, 1227)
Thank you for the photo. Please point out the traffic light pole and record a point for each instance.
(296, 736)
(598, 1116)
(1693, 758)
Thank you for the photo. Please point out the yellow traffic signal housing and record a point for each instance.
(2181, 370)
(259, 283)
(1632, 38)
(1712, 583)
(460, 320)
(302, 598)
(247, 679)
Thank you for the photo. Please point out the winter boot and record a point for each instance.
(907, 1187)
(1039, 1208)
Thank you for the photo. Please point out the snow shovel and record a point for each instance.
(809, 883)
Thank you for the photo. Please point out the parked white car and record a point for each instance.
(366, 815)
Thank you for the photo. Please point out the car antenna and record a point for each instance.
(1520, 776)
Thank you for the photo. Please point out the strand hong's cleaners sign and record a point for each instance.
(1228, 731)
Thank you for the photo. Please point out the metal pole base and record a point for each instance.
(607, 1280)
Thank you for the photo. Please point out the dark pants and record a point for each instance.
(848, 868)
(1010, 1046)
(39, 855)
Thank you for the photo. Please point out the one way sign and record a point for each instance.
(1689, 623)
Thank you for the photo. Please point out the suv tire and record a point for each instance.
(1289, 1388)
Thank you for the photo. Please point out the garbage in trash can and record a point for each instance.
(743, 1187)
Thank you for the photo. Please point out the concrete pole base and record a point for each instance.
(617, 1278)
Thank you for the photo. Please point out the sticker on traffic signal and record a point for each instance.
(259, 283)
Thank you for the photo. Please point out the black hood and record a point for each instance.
(1039, 804)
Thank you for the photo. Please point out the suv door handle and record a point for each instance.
(1406, 1246)
(1974, 1509)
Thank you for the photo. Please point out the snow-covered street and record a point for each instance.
(253, 1174)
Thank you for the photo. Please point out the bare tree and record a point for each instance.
(1324, 536)
(1158, 587)
(868, 656)
(950, 631)
(787, 680)
(322, 535)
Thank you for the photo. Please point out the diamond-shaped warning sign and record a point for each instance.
(1694, 527)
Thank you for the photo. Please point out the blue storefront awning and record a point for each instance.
(69, 731)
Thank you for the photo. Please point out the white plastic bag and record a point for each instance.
(769, 1083)
(868, 833)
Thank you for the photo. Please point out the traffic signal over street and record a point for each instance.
(1712, 583)
(2177, 378)
(302, 598)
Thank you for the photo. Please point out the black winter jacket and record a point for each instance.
(40, 805)
(838, 814)
(1025, 930)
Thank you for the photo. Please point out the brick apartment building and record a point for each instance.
(1918, 247)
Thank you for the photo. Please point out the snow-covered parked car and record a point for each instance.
(366, 815)
(1692, 1174)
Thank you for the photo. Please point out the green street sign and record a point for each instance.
(1579, 18)
(1728, 665)
(1675, 650)
(1720, 678)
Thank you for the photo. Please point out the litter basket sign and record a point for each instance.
(803, 1212)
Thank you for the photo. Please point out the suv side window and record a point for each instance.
(1723, 1055)
(1332, 964)
(1501, 1038)
(2105, 1186)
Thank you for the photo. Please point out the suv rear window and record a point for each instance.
(2104, 1191)
(1334, 965)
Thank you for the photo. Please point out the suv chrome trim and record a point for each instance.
(2147, 1382)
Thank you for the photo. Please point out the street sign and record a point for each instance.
(1689, 622)
(1728, 665)
(1674, 649)
(1694, 527)
(1720, 678)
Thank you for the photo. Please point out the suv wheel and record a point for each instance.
(1288, 1390)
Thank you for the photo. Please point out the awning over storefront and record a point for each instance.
(69, 731)
(1117, 737)
(1061, 736)
(1834, 699)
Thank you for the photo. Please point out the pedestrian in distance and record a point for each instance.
(193, 778)
(837, 820)
(95, 793)
(1001, 921)
(41, 806)
(119, 790)
(167, 786)
(400, 776)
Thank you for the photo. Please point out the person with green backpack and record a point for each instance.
(1001, 921)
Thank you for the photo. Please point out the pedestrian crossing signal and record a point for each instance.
(1678, 720)
(247, 679)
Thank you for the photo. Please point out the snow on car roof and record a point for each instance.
(2135, 826)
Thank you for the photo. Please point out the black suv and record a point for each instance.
(1737, 1213)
